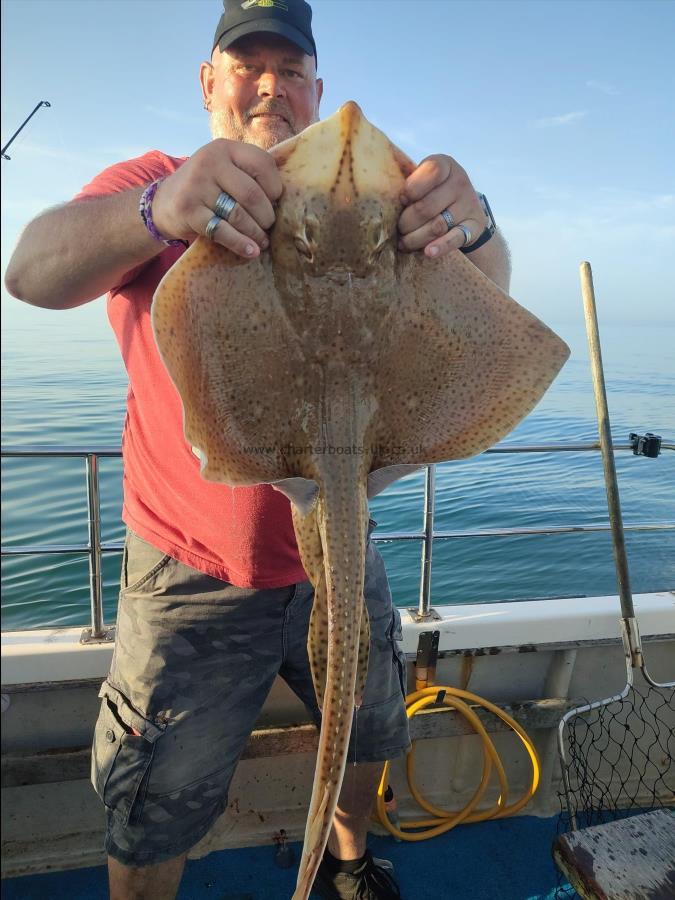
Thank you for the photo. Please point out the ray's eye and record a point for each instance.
(305, 240)
(303, 248)
(382, 243)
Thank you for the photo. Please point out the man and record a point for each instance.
(214, 602)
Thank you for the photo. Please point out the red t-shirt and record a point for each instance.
(243, 535)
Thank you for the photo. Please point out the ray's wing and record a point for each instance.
(226, 342)
(462, 365)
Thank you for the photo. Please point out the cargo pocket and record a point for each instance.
(141, 561)
(121, 760)
(395, 635)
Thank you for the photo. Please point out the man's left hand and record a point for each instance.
(439, 183)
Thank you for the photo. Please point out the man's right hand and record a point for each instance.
(78, 251)
(184, 201)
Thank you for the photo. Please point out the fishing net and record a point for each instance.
(618, 759)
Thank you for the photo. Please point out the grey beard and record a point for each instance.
(224, 125)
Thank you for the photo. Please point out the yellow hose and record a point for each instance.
(443, 820)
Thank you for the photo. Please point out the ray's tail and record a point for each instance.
(342, 515)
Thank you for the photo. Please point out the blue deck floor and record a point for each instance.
(502, 860)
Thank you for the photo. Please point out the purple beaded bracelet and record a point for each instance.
(145, 209)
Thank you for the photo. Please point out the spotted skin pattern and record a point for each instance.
(335, 356)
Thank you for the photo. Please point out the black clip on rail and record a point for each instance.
(647, 444)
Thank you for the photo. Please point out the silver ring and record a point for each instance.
(467, 234)
(449, 221)
(214, 222)
(224, 206)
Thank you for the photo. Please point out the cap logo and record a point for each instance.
(265, 4)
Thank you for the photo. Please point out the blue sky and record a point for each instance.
(561, 112)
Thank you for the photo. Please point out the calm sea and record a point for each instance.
(64, 385)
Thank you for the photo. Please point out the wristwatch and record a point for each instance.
(489, 230)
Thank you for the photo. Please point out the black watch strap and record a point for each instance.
(490, 229)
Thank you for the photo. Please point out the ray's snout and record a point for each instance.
(342, 184)
(351, 115)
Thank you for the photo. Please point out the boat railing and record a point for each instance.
(95, 546)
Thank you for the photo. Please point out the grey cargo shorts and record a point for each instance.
(194, 660)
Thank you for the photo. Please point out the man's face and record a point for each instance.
(261, 90)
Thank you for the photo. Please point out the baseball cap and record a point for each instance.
(291, 19)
